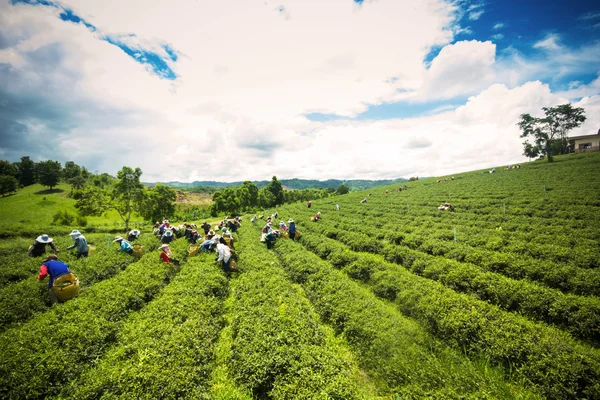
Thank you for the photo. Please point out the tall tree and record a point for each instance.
(125, 196)
(27, 171)
(48, 173)
(551, 130)
(127, 193)
(276, 190)
(158, 203)
(8, 169)
(252, 193)
(71, 170)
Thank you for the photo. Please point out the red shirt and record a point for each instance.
(164, 257)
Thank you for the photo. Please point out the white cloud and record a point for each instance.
(498, 25)
(475, 15)
(550, 43)
(248, 71)
(462, 68)
(497, 36)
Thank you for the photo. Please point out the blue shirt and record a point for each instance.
(55, 269)
(126, 247)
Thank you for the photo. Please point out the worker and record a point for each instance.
(125, 246)
(133, 235)
(205, 226)
(254, 218)
(39, 246)
(292, 229)
(364, 200)
(223, 255)
(316, 217)
(167, 237)
(309, 204)
(207, 245)
(80, 242)
(266, 228)
(337, 207)
(193, 236)
(54, 268)
(282, 226)
(271, 237)
(166, 255)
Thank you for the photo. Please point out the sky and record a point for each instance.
(314, 89)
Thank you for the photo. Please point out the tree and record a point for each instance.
(48, 173)
(550, 131)
(71, 170)
(343, 189)
(276, 190)
(8, 184)
(77, 182)
(158, 203)
(8, 169)
(125, 196)
(26, 171)
(252, 193)
(127, 193)
(266, 198)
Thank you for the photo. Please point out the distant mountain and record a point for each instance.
(289, 184)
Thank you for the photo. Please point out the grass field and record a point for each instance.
(386, 299)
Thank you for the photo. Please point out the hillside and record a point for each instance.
(384, 299)
(289, 184)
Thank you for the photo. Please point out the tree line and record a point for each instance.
(94, 194)
(248, 196)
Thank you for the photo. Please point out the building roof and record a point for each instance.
(593, 136)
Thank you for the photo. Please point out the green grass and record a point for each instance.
(30, 212)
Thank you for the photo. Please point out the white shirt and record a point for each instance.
(224, 252)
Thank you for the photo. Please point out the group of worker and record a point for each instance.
(53, 268)
(269, 235)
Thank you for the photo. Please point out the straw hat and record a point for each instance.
(164, 246)
(118, 238)
(43, 239)
(290, 221)
(75, 233)
(168, 233)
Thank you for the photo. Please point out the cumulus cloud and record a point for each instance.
(244, 75)
(462, 68)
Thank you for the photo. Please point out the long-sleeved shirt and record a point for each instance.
(126, 247)
(54, 268)
(81, 244)
(224, 252)
(165, 257)
(292, 228)
(39, 248)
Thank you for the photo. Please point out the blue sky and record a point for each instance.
(298, 89)
(512, 26)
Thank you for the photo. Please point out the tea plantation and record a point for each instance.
(386, 299)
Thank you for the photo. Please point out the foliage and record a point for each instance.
(9, 169)
(342, 189)
(550, 132)
(158, 203)
(125, 196)
(71, 170)
(8, 184)
(63, 218)
(48, 173)
(27, 171)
